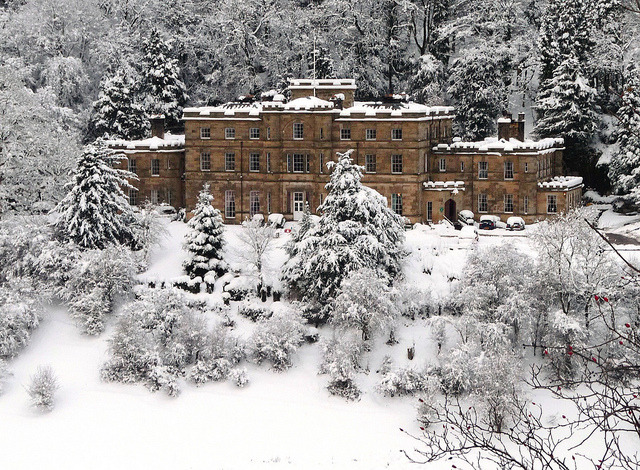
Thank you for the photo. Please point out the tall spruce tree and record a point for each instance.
(116, 113)
(624, 169)
(566, 108)
(95, 212)
(356, 230)
(205, 240)
(165, 92)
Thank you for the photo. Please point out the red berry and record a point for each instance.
(420, 400)
(421, 428)
(596, 297)
(627, 325)
(594, 359)
(620, 342)
(564, 417)
(570, 353)
(606, 299)
(570, 348)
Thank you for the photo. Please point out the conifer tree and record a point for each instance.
(95, 211)
(566, 108)
(303, 227)
(165, 92)
(116, 112)
(356, 230)
(206, 239)
(624, 170)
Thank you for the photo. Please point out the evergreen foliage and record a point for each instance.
(95, 211)
(205, 240)
(165, 92)
(116, 113)
(624, 169)
(356, 230)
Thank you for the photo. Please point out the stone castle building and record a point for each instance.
(270, 156)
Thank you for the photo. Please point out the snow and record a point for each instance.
(444, 185)
(562, 182)
(512, 145)
(307, 103)
(169, 141)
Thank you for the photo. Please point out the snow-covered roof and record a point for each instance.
(229, 110)
(329, 83)
(308, 103)
(170, 142)
(493, 144)
(444, 185)
(562, 183)
(394, 109)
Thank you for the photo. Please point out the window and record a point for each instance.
(508, 202)
(396, 163)
(298, 163)
(268, 162)
(155, 197)
(321, 162)
(482, 203)
(322, 133)
(461, 167)
(205, 161)
(298, 130)
(396, 134)
(254, 162)
(552, 204)
(426, 163)
(169, 167)
(321, 198)
(442, 164)
(525, 204)
(230, 162)
(169, 198)
(483, 170)
(370, 134)
(254, 133)
(155, 167)
(230, 133)
(269, 203)
(308, 163)
(526, 167)
(508, 170)
(133, 167)
(429, 211)
(370, 163)
(254, 203)
(133, 197)
(396, 203)
(268, 133)
(345, 134)
(205, 132)
(230, 204)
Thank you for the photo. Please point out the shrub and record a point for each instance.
(277, 339)
(254, 310)
(239, 288)
(19, 316)
(413, 302)
(340, 359)
(216, 360)
(42, 388)
(188, 284)
(239, 377)
(403, 381)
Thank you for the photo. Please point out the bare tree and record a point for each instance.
(257, 239)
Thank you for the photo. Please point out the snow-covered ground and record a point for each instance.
(280, 420)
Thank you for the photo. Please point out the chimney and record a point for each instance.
(157, 125)
(520, 134)
(504, 126)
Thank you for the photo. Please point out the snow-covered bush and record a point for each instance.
(563, 335)
(205, 241)
(356, 230)
(22, 240)
(239, 377)
(412, 301)
(156, 337)
(241, 287)
(216, 360)
(457, 373)
(277, 339)
(257, 239)
(340, 360)
(148, 229)
(254, 310)
(188, 284)
(364, 303)
(403, 381)
(95, 282)
(19, 316)
(43, 387)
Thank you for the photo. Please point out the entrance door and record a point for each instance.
(298, 205)
(450, 210)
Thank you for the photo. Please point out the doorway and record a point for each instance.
(450, 210)
(298, 205)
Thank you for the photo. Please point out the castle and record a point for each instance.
(270, 156)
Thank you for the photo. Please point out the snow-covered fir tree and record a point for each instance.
(205, 240)
(624, 169)
(566, 108)
(356, 230)
(165, 92)
(116, 113)
(95, 211)
(304, 226)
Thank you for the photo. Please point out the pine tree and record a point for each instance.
(166, 94)
(95, 212)
(624, 170)
(566, 108)
(116, 113)
(479, 92)
(206, 239)
(356, 230)
(303, 227)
